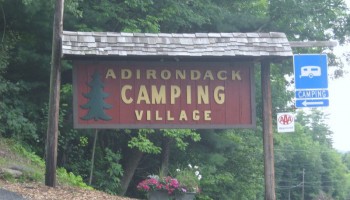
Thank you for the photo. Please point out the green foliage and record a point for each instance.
(72, 6)
(346, 160)
(303, 19)
(231, 164)
(33, 166)
(189, 178)
(13, 119)
(68, 178)
(314, 124)
(110, 181)
(309, 149)
(115, 169)
(142, 142)
(179, 135)
(29, 155)
(7, 176)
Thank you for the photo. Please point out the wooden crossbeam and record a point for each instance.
(296, 44)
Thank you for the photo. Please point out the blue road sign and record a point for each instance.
(311, 80)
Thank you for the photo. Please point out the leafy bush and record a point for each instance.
(110, 181)
(69, 178)
(29, 155)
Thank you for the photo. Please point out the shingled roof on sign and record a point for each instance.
(174, 44)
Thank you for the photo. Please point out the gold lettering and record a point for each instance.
(219, 94)
(158, 118)
(158, 97)
(175, 92)
(148, 115)
(207, 115)
(180, 74)
(138, 114)
(236, 74)
(183, 116)
(123, 94)
(110, 73)
(195, 115)
(151, 73)
(188, 94)
(138, 74)
(209, 75)
(143, 95)
(202, 94)
(195, 74)
(165, 74)
(126, 73)
(168, 116)
(222, 75)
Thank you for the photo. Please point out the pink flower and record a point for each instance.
(154, 183)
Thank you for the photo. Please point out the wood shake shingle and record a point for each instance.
(175, 44)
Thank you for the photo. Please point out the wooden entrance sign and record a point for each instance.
(97, 102)
(163, 95)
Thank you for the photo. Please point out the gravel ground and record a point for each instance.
(37, 191)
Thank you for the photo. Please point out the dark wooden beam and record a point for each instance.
(54, 99)
(269, 168)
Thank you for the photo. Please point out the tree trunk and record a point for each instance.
(164, 169)
(132, 162)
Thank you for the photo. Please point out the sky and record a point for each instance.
(339, 106)
(339, 110)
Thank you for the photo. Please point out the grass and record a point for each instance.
(13, 154)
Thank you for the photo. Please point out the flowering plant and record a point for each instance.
(153, 182)
(189, 179)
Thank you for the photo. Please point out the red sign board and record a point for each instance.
(119, 94)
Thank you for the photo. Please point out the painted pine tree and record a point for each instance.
(96, 96)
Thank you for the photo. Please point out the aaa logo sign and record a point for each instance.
(285, 122)
(163, 95)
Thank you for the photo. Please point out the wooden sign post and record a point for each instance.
(269, 167)
(54, 99)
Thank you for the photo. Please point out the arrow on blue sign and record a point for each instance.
(311, 103)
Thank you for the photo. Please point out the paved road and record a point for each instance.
(7, 195)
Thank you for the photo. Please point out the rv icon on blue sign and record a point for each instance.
(310, 71)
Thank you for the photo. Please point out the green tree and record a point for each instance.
(304, 19)
(14, 113)
(324, 171)
(346, 160)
